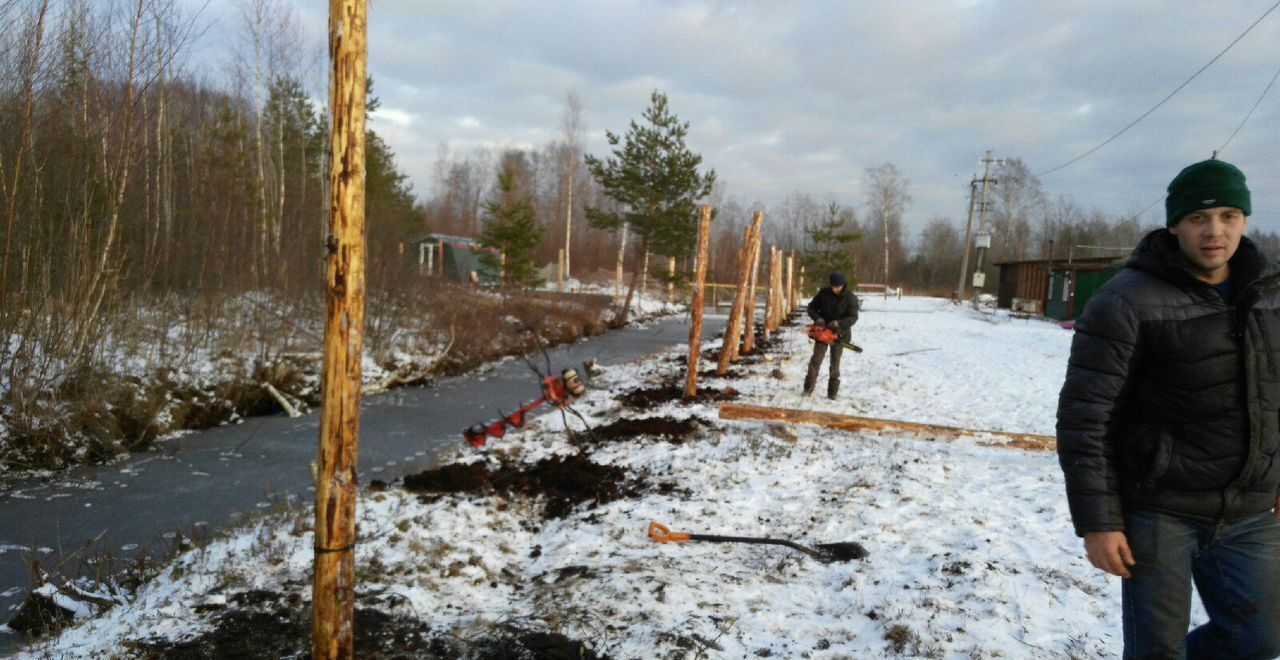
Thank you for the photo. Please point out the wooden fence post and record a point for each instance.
(671, 279)
(778, 283)
(333, 589)
(732, 331)
(777, 288)
(791, 286)
(802, 291)
(768, 298)
(749, 343)
(644, 277)
(695, 330)
(617, 278)
(560, 270)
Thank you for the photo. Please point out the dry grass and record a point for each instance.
(177, 364)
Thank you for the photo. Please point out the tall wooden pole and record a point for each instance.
(699, 276)
(749, 343)
(778, 290)
(791, 286)
(800, 290)
(617, 278)
(733, 331)
(561, 256)
(768, 297)
(671, 279)
(333, 594)
(644, 276)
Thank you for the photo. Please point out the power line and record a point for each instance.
(1233, 133)
(1250, 113)
(1165, 99)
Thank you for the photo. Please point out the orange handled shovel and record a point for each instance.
(826, 552)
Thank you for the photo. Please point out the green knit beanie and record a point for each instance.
(1205, 185)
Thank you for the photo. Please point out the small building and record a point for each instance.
(1053, 288)
(456, 258)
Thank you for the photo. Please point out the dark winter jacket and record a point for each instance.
(827, 306)
(1172, 394)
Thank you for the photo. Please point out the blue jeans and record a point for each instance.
(1236, 568)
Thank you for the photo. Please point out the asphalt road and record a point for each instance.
(205, 481)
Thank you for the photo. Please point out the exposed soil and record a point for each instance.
(565, 482)
(40, 615)
(266, 624)
(665, 428)
(643, 399)
(730, 374)
(517, 644)
(452, 478)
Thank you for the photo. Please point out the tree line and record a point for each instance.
(126, 170)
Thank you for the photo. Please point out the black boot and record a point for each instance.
(833, 388)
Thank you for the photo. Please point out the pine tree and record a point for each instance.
(511, 225)
(833, 238)
(653, 178)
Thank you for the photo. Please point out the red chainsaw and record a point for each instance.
(558, 391)
(825, 335)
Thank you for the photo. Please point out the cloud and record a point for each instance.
(785, 97)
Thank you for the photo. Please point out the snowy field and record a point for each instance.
(971, 549)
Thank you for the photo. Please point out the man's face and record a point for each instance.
(1209, 238)
(837, 288)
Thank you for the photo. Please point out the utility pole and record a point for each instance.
(333, 589)
(968, 238)
(884, 216)
(983, 239)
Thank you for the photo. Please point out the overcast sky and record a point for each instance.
(784, 97)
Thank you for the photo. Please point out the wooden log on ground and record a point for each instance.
(695, 329)
(741, 411)
(285, 405)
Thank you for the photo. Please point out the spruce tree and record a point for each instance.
(653, 178)
(833, 238)
(511, 225)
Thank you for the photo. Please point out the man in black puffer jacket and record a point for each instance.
(1169, 423)
(836, 307)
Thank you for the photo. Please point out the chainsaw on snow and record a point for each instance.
(825, 335)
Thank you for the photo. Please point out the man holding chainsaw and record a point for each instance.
(837, 308)
(1168, 431)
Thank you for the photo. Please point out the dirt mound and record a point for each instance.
(730, 373)
(40, 615)
(645, 398)
(518, 644)
(266, 624)
(453, 478)
(565, 482)
(666, 428)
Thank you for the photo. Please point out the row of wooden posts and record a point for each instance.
(782, 297)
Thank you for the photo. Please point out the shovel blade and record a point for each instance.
(846, 551)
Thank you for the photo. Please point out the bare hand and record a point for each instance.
(1109, 551)
(1278, 505)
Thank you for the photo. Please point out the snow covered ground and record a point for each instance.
(971, 549)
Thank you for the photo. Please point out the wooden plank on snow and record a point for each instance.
(741, 411)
